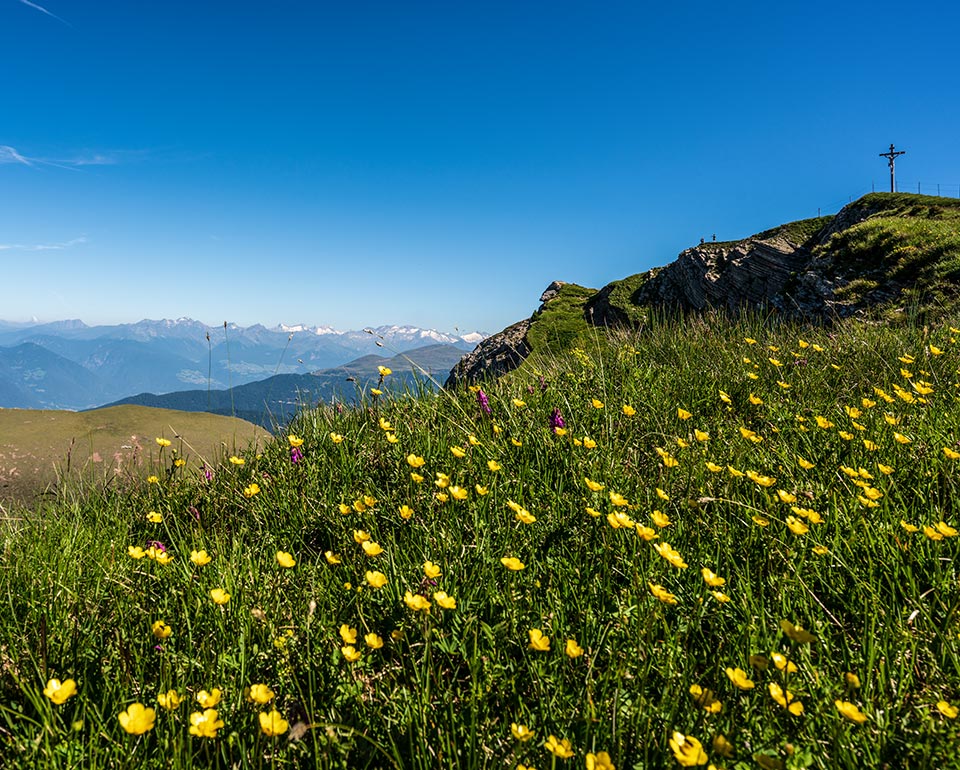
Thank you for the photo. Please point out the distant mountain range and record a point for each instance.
(273, 401)
(69, 365)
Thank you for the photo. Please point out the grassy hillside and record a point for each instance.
(738, 549)
(39, 449)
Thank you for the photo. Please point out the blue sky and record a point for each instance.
(435, 163)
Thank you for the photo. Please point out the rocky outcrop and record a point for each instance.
(500, 353)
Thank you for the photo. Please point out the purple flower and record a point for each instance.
(296, 454)
(156, 544)
(207, 473)
(543, 382)
(556, 420)
(484, 402)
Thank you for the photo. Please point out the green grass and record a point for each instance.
(561, 324)
(41, 450)
(446, 686)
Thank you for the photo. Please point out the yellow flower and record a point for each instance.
(162, 442)
(359, 536)
(796, 526)
(597, 404)
(350, 653)
(706, 699)
(431, 570)
(662, 593)
(285, 559)
(701, 435)
(821, 550)
(660, 519)
(851, 680)
(521, 732)
(414, 461)
(720, 596)
(200, 558)
(135, 552)
(480, 490)
(592, 511)
(599, 761)
(210, 699)
(850, 711)
(886, 470)
(137, 719)
(518, 442)
(170, 700)
(161, 557)
(373, 641)
(442, 497)
(416, 602)
(538, 641)
(260, 693)
(376, 579)
(559, 748)
(443, 480)
(949, 711)
(160, 629)
(348, 634)
(932, 533)
(512, 563)
(473, 440)
(722, 746)
(519, 403)
(58, 691)
(713, 467)
(900, 438)
(755, 400)
(458, 493)
(670, 461)
(234, 460)
(153, 479)
(711, 578)
(458, 451)
(154, 517)
(683, 414)
(945, 529)
(273, 723)
(620, 520)
(219, 596)
(797, 633)
(392, 438)
(336, 438)
(761, 480)
(573, 650)
(935, 351)
(252, 490)
(618, 499)
(739, 677)
(493, 465)
(785, 698)
(950, 454)
(687, 751)
(781, 662)
(661, 494)
(331, 557)
(385, 425)
(206, 724)
(628, 410)
(647, 533)
(405, 511)
(445, 601)
(786, 497)
(525, 517)
(734, 473)
(384, 371)
(668, 553)
(725, 397)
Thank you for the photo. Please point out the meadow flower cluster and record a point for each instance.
(723, 546)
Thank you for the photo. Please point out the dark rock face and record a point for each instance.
(501, 353)
(749, 273)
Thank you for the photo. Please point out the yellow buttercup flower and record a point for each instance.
(647, 533)
(416, 602)
(285, 559)
(135, 552)
(945, 529)
(661, 494)
(162, 442)
(458, 493)
(154, 518)
(431, 570)
(538, 641)
(785, 698)
(360, 537)
(336, 438)
(706, 699)
(200, 558)
(618, 499)
(683, 414)
(559, 748)
(850, 711)
(206, 724)
(599, 761)
(392, 438)
(251, 490)
(628, 410)
(405, 511)
(786, 497)
(949, 711)
(375, 579)
(153, 479)
(415, 461)
(688, 751)
(385, 371)
(58, 692)
(272, 723)
(210, 699)
(348, 634)
(597, 403)
(660, 519)
(493, 465)
(350, 653)
(739, 677)
(458, 451)
(711, 578)
(796, 526)
(260, 693)
(592, 511)
(170, 700)
(668, 553)
(572, 649)
(512, 563)
(722, 746)
(234, 460)
(373, 641)
(620, 520)
(781, 662)
(797, 633)
(713, 467)
(445, 601)
(662, 594)
(219, 596)
(161, 630)
(137, 719)
(701, 435)
(331, 557)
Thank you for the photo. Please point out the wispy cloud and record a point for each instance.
(11, 155)
(43, 246)
(44, 10)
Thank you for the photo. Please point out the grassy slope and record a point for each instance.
(444, 690)
(37, 446)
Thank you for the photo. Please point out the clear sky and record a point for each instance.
(436, 163)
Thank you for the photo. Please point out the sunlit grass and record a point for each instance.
(711, 543)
